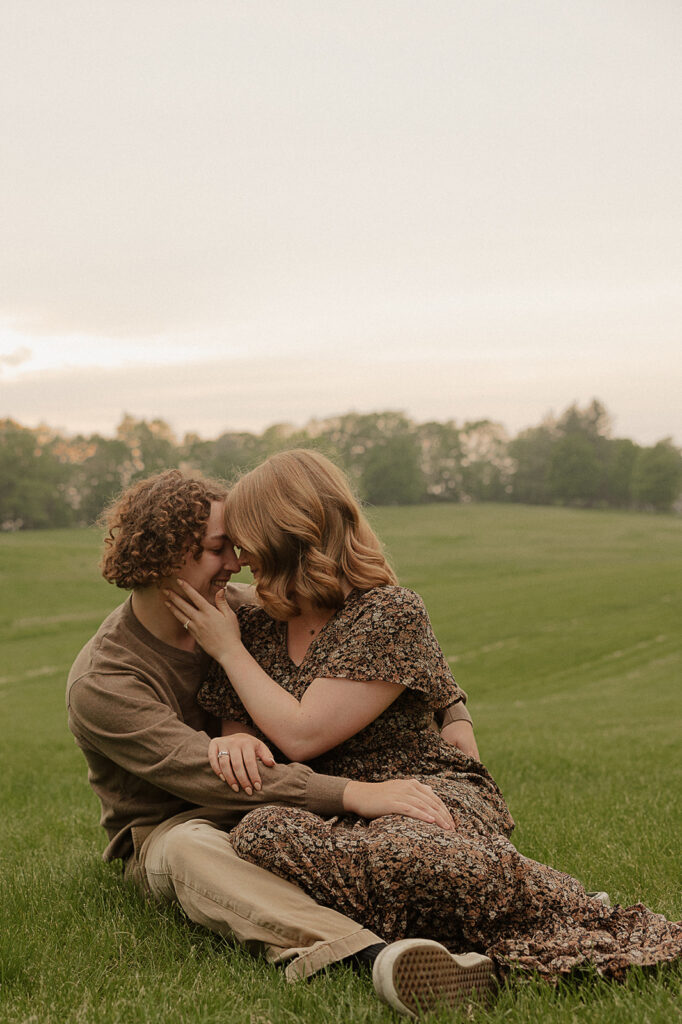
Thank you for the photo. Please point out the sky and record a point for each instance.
(233, 214)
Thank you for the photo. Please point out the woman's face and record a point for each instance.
(246, 558)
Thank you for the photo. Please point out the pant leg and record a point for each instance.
(193, 862)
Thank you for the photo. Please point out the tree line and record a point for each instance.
(48, 480)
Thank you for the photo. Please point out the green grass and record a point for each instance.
(564, 628)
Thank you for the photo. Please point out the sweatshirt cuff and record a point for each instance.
(324, 794)
(455, 713)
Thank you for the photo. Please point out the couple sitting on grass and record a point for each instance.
(341, 813)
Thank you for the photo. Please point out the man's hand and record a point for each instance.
(399, 796)
(461, 735)
(235, 758)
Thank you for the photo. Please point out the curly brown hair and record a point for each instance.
(153, 525)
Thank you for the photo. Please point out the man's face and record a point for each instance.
(214, 567)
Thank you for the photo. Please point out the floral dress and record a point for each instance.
(468, 888)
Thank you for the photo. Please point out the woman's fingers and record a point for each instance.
(251, 766)
(197, 599)
(187, 602)
(225, 760)
(181, 609)
(214, 760)
(440, 810)
(426, 812)
(439, 807)
(182, 600)
(219, 759)
(442, 818)
(399, 796)
(265, 754)
(235, 759)
(411, 810)
(240, 771)
(432, 805)
(228, 764)
(254, 752)
(222, 604)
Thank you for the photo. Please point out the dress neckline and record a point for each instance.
(284, 633)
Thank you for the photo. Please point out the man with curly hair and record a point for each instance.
(132, 710)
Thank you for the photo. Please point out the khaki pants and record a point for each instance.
(190, 860)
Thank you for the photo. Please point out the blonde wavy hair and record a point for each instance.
(297, 514)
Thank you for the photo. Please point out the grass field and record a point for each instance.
(564, 628)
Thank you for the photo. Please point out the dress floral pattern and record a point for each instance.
(468, 888)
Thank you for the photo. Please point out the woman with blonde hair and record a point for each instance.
(339, 667)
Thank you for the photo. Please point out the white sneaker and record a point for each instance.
(603, 897)
(416, 975)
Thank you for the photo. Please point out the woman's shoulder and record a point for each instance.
(255, 620)
(389, 600)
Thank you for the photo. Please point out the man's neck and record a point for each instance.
(149, 607)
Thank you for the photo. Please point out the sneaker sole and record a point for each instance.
(416, 975)
(603, 897)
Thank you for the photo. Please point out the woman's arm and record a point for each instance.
(330, 711)
(228, 727)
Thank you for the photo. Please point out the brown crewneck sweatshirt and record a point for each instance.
(132, 710)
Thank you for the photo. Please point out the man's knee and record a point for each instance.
(181, 850)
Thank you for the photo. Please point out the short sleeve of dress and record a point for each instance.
(390, 638)
(216, 694)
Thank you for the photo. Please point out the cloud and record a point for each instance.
(184, 183)
(215, 396)
(16, 358)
